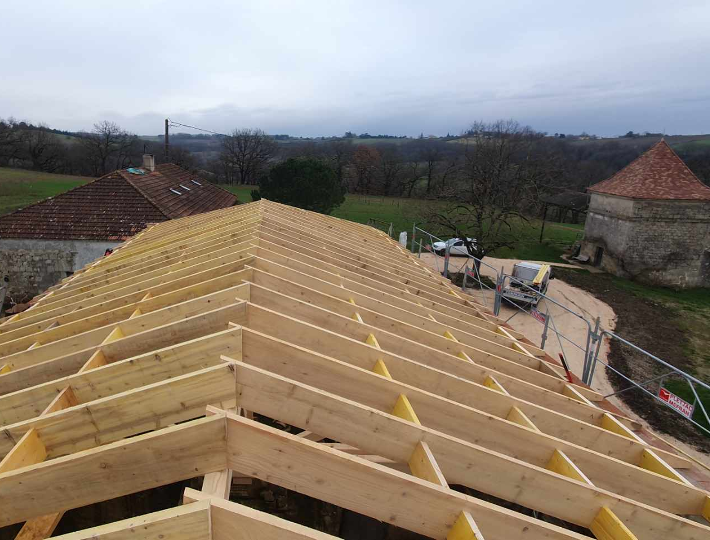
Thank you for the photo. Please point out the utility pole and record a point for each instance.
(167, 142)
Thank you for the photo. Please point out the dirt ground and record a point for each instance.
(574, 330)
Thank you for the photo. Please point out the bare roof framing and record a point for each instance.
(331, 327)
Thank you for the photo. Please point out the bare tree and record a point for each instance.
(411, 176)
(245, 154)
(42, 149)
(365, 162)
(391, 167)
(9, 141)
(504, 167)
(108, 147)
(340, 153)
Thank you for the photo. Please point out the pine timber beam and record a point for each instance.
(184, 451)
(124, 375)
(366, 488)
(137, 270)
(108, 334)
(375, 271)
(187, 522)
(460, 462)
(271, 251)
(199, 447)
(133, 345)
(84, 310)
(400, 297)
(388, 304)
(180, 304)
(389, 336)
(230, 262)
(231, 520)
(498, 437)
(109, 419)
(308, 287)
(74, 323)
(459, 383)
(194, 245)
(175, 270)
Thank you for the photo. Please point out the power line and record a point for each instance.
(174, 124)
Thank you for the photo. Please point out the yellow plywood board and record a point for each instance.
(372, 340)
(652, 462)
(606, 526)
(519, 417)
(403, 409)
(464, 528)
(381, 369)
(449, 335)
(493, 384)
(423, 465)
(561, 464)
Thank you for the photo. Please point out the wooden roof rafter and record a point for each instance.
(331, 327)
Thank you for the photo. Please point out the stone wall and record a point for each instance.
(658, 242)
(34, 265)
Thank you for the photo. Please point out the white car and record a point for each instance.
(456, 246)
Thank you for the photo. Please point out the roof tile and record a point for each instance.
(657, 174)
(115, 206)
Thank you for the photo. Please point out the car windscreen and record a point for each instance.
(526, 274)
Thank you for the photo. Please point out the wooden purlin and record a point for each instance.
(331, 327)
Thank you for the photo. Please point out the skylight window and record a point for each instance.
(195, 182)
(185, 187)
(176, 191)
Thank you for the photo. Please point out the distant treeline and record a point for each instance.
(380, 165)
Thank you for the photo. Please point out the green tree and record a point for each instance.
(306, 183)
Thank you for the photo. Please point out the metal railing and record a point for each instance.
(662, 395)
(590, 347)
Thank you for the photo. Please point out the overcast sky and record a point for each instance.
(384, 66)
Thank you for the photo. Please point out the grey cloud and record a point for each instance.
(321, 67)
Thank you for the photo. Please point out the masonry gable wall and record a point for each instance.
(658, 242)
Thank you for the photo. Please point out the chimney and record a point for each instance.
(149, 162)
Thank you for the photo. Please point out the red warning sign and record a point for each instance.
(679, 404)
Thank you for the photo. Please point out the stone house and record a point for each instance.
(49, 240)
(651, 222)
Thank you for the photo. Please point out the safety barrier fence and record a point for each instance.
(692, 409)
(654, 385)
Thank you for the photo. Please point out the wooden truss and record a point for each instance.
(132, 374)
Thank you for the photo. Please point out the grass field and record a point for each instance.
(19, 187)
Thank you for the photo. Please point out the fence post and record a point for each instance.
(414, 232)
(547, 324)
(446, 260)
(420, 248)
(499, 293)
(592, 354)
(465, 273)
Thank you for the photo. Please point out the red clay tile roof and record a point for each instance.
(657, 174)
(115, 206)
(194, 198)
